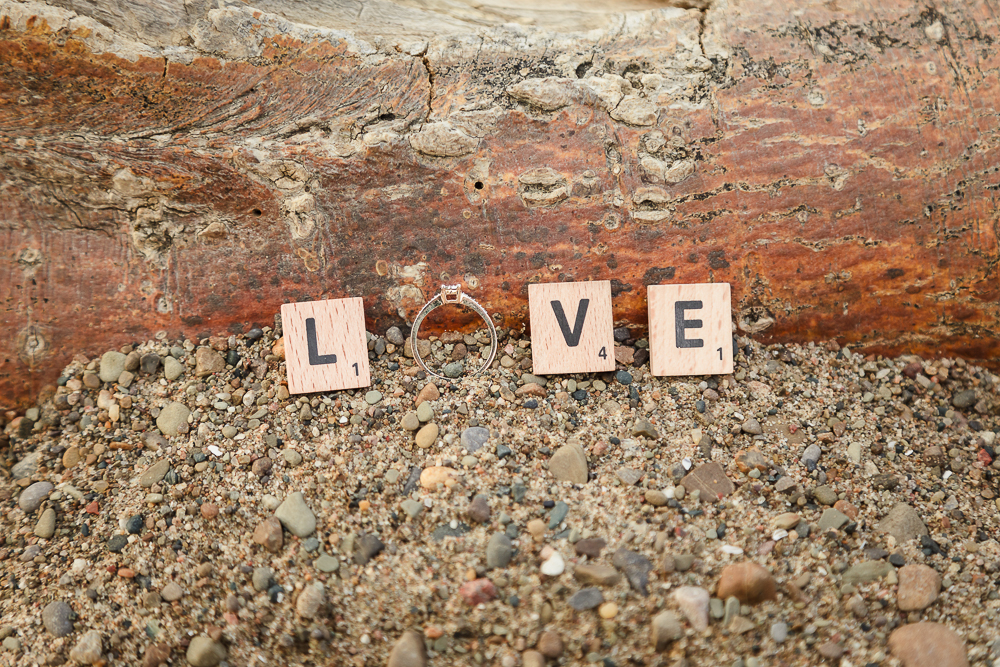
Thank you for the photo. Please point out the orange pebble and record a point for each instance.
(364, 505)
(126, 572)
(432, 632)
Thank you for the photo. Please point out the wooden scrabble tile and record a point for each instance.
(325, 345)
(572, 330)
(690, 329)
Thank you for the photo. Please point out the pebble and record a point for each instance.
(964, 399)
(928, 645)
(205, 652)
(477, 591)
(154, 474)
(812, 453)
(598, 575)
(550, 644)
(33, 496)
(171, 592)
(786, 521)
(479, 509)
(429, 392)
(88, 650)
(149, 363)
(532, 658)
(862, 573)
(27, 466)
(636, 569)
(569, 464)
(410, 421)
(558, 514)
(499, 551)
(854, 452)
(919, 586)
(693, 603)
(554, 565)
(752, 426)
(831, 519)
(730, 610)
(208, 362)
(172, 417)
(261, 466)
(413, 508)
(665, 629)
(57, 617)
(434, 475)
(12, 644)
(310, 600)
(628, 476)
(209, 510)
(427, 435)
(903, 522)
(749, 582)
(296, 516)
(367, 547)
(172, 369)
(46, 526)
(373, 397)
(409, 650)
(261, 578)
(134, 524)
(586, 598)
(117, 543)
(268, 534)
(474, 438)
(590, 547)
(326, 563)
(644, 428)
(608, 610)
(112, 366)
(156, 655)
(71, 457)
(779, 632)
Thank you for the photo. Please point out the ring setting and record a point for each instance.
(452, 295)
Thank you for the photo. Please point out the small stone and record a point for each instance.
(154, 474)
(117, 543)
(429, 392)
(373, 397)
(683, 562)
(88, 650)
(590, 547)
(268, 534)
(786, 521)
(554, 565)
(413, 508)
(425, 412)
(596, 575)
(367, 547)
(693, 602)
(172, 417)
(550, 644)
(409, 651)
(831, 519)
(172, 369)
(46, 526)
(57, 616)
(209, 510)
(812, 453)
(831, 650)
(27, 466)
(149, 363)
(171, 592)
(749, 582)
(928, 645)
(628, 476)
(477, 591)
(261, 466)
(751, 459)
(868, 571)
(12, 644)
(824, 495)
(205, 652)
(207, 362)
(434, 475)
(296, 516)
(261, 578)
(155, 655)
(752, 426)
(569, 464)
(474, 438)
(479, 509)
(532, 658)
(310, 600)
(426, 436)
(664, 630)
(636, 569)
(779, 632)
(656, 498)
(499, 551)
(919, 586)
(586, 598)
(410, 421)
(644, 428)
(710, 479)
(964, 399)
(558, 514)
(903, 522)
(854, 452)
(71, 457)
(394, 336)
(135, 524)
(33, 496)
(112, 366)
(326, 563)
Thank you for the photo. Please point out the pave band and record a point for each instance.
(452, 294)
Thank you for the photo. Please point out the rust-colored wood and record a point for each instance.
(836, 163)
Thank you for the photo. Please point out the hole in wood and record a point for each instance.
(257, 212)
(479, 185)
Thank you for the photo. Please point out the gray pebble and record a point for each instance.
(261, 578)
(33, 496)
(57, 617)
(46, 526)
(394, 336)
(499, 551)
(367, 547)
(172, 369)
(558, 514)
(296, 516)
(779, 632)
(112, 365)
(373, 397)
(585, 599)
(812, 453)
(413, 508)
(474, 438)
(326, 563)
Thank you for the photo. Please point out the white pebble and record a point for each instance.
(686, 463)
(730, 549)
(554, 566)
(215, 450)
(80, 564)
(779, 534)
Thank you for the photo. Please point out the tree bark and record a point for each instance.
(185, 168)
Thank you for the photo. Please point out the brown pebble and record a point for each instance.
(428, 393)
(748, 582)
(550, 644)
(919, 586)
(209, 510)
(532, 658)
(591, 548)
(268, 534)
(261, 466)
(155, 655)
(928, 645)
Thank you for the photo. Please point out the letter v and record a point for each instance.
(572, 336)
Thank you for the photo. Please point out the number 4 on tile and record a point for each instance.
(325, 346)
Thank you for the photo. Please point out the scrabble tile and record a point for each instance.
(572, 330)
(690, 329)
(325, 345)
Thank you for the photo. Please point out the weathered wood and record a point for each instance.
(188, 169)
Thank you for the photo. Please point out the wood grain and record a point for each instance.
(706, 341)
(836, 163)
(572, 328)
(340, 357)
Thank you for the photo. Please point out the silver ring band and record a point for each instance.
(452, 294)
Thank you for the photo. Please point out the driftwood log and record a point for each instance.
(188, 166)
